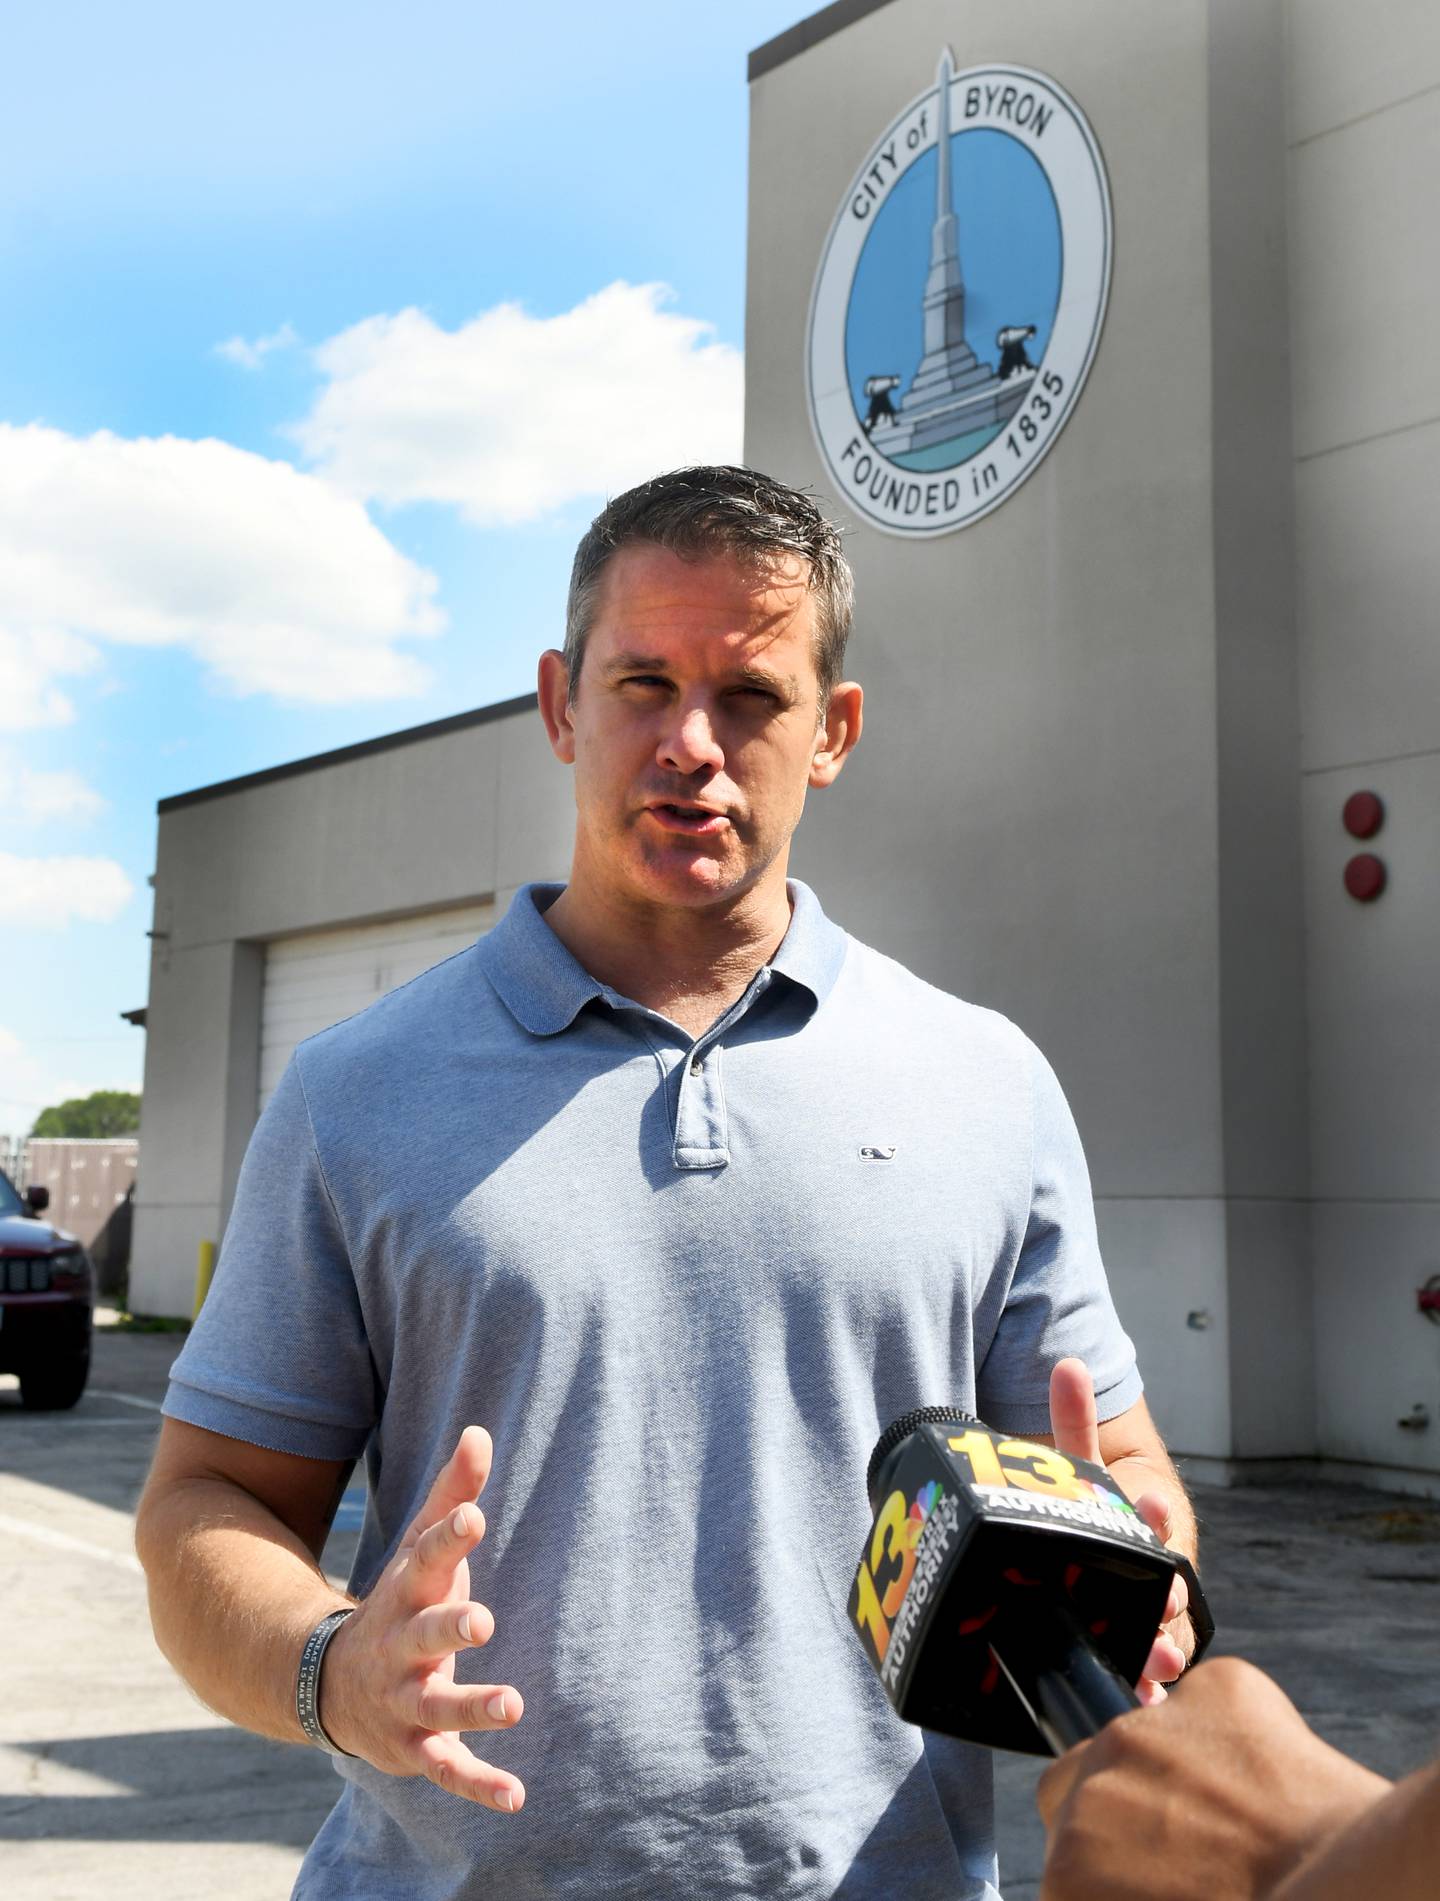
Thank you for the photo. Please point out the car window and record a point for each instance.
(10, 1202)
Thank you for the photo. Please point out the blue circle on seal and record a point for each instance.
(1013, 261)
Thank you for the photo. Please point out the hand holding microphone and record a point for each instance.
(1075, 1424)
(1009, 1593)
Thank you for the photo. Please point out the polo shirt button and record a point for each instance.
(697, 1063)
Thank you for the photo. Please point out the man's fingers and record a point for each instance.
(446, 1628)
(464, 1706)
(1154, 1508)
(1178, 1600)
(460, 1481)
(1166, 1661)
(441, 1548)
(452, 1767)
(1073, 1421)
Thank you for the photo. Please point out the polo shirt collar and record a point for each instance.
(545, 988)
(813, 949)
(538, 981)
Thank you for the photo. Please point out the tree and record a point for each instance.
(103, 1112)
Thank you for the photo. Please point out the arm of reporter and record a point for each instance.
(1222, 1790)
(1393, 1849)
(230, 1534)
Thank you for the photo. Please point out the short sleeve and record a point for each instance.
(1058, 1302)
(278, 1356)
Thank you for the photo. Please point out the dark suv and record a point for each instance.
(47, 1301)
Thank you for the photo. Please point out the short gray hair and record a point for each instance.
(720, 510)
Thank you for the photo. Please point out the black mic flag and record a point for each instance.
(1007, 1594)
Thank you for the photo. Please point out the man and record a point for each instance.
(1226, 1791)
(685, 1194)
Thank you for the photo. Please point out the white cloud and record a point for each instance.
(274, 579)
(251, 356)
(33, 797)
(31, 661)
(512, 416)
(53, 892)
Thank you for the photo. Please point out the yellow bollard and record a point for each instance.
(204, 1268)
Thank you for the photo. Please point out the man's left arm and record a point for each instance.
(1058, 1313)
(1132, 1451)
(1128, 1445)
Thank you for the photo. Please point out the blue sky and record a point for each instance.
(325, 330)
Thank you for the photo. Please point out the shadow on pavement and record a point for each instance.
(100, 1449)
(193, 1785)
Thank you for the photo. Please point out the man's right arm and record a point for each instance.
(230, 1537)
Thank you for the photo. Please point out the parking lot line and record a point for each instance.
(62, 1541)
(50, 1421)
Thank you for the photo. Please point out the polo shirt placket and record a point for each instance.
(694, 1082)
(546, 990)
(701, 1139)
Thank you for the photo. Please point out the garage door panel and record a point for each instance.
(377, 975)
(338, 939)
(320, 978)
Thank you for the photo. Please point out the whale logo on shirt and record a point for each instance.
(872, 1154)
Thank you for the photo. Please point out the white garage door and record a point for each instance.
(314, 980)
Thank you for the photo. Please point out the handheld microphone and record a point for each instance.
(1007, 1594)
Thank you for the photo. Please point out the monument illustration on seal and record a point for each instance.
(953, 391)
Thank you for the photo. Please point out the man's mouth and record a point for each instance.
(694, 821)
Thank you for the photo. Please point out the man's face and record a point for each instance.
(695, 726)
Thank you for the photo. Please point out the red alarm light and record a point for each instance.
(1364, 814)
(1365, 877)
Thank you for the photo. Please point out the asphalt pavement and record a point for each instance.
(115, 1782)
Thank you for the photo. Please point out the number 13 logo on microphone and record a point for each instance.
(880, 1585)
(980, 1459)
(1006, 1464)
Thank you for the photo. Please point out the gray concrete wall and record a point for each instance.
(413, 828)
(1364, 114)
(1076, 796)
(1262, 1013)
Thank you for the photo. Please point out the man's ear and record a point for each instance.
(839, 734)
(555, 710)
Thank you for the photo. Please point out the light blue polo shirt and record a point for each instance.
(684, 1283)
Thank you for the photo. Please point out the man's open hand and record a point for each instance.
(388, 1689)
(1075, 1425)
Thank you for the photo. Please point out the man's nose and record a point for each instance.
(689, 744)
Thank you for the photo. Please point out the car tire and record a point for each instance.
(56, 1386)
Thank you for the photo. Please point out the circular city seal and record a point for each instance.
(959, 299)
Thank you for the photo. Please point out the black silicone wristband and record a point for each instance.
(307, 1680)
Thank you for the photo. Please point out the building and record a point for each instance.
(1135, 637)
(91, 1181)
